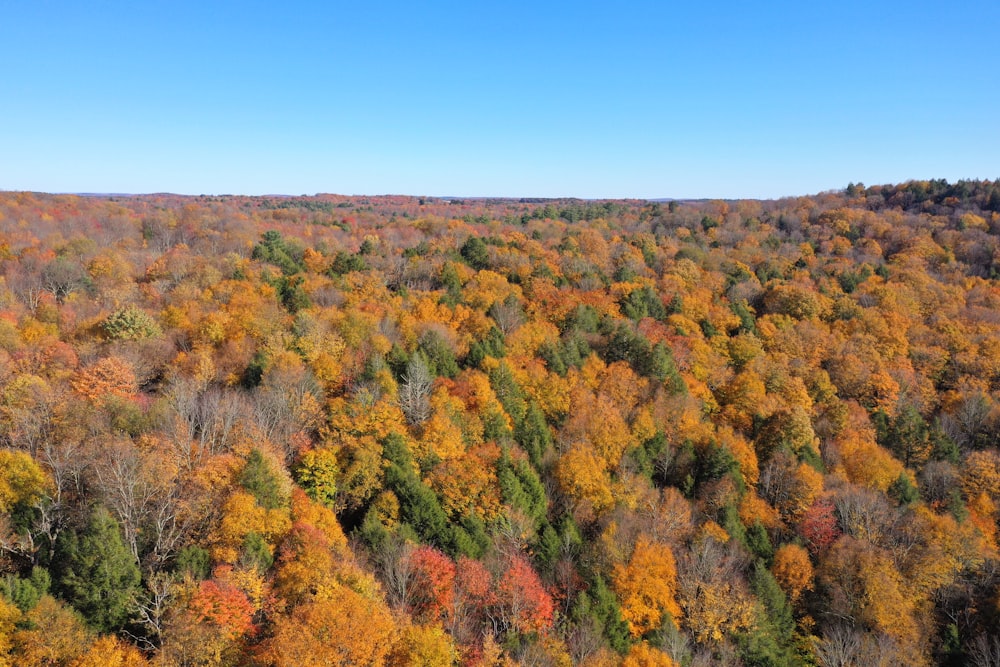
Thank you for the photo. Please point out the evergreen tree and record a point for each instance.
(100, 578)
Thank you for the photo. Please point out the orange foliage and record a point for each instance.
(647, 587)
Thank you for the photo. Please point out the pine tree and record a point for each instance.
(100, 577)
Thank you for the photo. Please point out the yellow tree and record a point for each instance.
(793, 570)
(345, 629)
(647, 586)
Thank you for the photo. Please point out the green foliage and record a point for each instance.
(903, 491)
(273, 249)
(759, 542)
(99, 575)
(438, 354)
(906, 435)
(583, 319)
(600, 607)
(659, 364)
(772, 643)
(475, 253)
(194, 561)
(646, 455)
(520, 487)
(317, 473)
(344, 263)
(419, 507)
(642, 303)
(748, 322)
(25, 593)
(509, 393)
(291, 293)
(256, 553)
(715, 462)
(254, 372)
(130, 323)
(263, 482)
(492, 345)
(533, 434)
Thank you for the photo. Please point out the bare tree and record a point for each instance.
(203, 421)
(415, 391)
(840, 647)
(395, 564)
(508, 314)
(144, 497)
(24, 278)
(62, 277)
(984, 651)
(865, 514)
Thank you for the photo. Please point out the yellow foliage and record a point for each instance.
(865, 462)
(487, 288)
(754, 508)
(344, 630)
(647, 586)
(423, 646)
(743, 452)
(109, 651)
(592, 371)
(529, 337)
(793, 570)
(53, 635)
(242, 515)
(467, 484)
(583, 477)
(715, 609)
(9, 616)
(308, 511)
(712, 530)
(21, 480)
(981, 474)
(644, 655)
(551, 391)
(442, 436)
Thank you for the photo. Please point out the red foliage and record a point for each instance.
(224, 605)
(819, 526)
(522, 599)
(434, 582)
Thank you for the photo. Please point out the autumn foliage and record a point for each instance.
(394, 430)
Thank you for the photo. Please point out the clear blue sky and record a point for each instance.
(586, 99)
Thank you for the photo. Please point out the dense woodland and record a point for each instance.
(329, 430)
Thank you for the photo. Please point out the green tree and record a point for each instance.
(131, 323)
(100, 577)
(260, 479)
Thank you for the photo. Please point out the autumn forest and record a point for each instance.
(332, 430)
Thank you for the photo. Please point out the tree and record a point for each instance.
(343, 630)
(644, 655)
(907, 437)
(111, 376)
(793, 570)
(22, 481)
(108, 651)
(423, 646)
(262, 479)
(523, 604)
(99, 574)
(647, 586)
(317, 473)
(433, 585)
(415, 391)
(130, 323)
(53, 634)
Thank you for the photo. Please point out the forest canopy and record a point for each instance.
(396, 430)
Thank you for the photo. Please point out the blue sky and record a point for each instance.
(585, 99)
